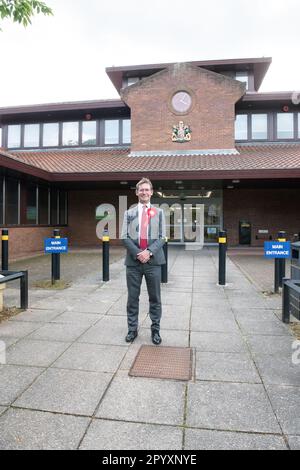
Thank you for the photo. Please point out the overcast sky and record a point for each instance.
(63, 58)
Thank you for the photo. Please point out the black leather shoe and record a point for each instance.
(131, 335)
(156, 339)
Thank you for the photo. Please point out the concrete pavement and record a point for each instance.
(65, 383)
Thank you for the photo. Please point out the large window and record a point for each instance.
(259, 126)
(14, 136)
(70, 134)
(126, 131)
(63, 207)
(111, 132)
(241, 127)
(32, 135)
(51, 134)
(285, 126)
(43, 205)
(89, 132)
(28, 204)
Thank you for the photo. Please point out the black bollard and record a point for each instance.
(105, 256)
(276, 275)
(55, 261)
(222, 257)
(5, 249)
(164, 267)
(285, 302)
(281, 238)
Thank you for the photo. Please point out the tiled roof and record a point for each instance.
(279, 156)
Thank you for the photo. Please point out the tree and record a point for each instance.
(21, 11)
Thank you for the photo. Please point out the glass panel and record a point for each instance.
(53, 201)
(28, 204)
(43, 205)
(89, 133)
(112, 132)
(285, 126)
(14, 136)
(241, 130)
(126, 131)
(242, 77)
(1, 201)
(50, 134)
(62, 207)
(259, 126)
(12, 199)
(70, 133)
(31, 135)
(132, 80)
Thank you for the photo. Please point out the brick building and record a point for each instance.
(219, 153)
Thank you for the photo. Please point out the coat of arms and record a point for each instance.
(181, 133)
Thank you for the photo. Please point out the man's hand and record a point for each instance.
(143, 256)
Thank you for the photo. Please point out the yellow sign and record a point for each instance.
(222, 240)
(105, 239)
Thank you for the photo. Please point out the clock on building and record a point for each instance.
(181, 101)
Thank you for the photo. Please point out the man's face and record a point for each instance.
(144, 193)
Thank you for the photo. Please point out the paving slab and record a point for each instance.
(36, 315)
(14, 380)
(118, 435)
(214, 322)
(2, 409)
(110, 330)
(286, 403)
(198, 439)
(278, 370)
(144, 400)
(294, 442)
(65, 391)
(75, 318)
(230, 406)
(92, 357)
(271, 345)
(225, 367)
(176, 338)
(270, 327)
(35, 430)
(59, 332)
(35, 353)
(18, 329)
(218, 342)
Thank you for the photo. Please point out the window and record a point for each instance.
(70, 133)
(31, 135)
(89, 130)
(12, 202)
(50, 134)
(285, 125)
(111, 132)
(43, 205)
(132, 80)
(14, 136)
(1, 202)
(62, 207)
(242, 77)
(126, 131)
(28, 204)
(259, 126)
(241, 127)
(54, 206)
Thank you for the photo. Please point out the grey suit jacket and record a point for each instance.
(156, 237)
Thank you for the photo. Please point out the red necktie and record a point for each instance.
(144, 230)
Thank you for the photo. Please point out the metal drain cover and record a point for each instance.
(163, 363)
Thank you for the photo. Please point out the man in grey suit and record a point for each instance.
(143, 235)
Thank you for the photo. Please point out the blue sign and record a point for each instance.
(277, 249)
(56, 245)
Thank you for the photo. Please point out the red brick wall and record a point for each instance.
(271, 209)
(211, 117)
(25, 241)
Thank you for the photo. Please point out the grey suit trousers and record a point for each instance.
(134, 277)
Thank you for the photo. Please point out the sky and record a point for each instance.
(63, 58)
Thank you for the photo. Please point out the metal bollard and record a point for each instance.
(276, 275)
(5, 249)
(281, 238)
(105, 256)
(55, 261)
(164, 267)
(222, 257)
(285, 302)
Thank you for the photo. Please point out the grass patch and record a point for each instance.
(9, 312)
(47, 284)
(295, 327)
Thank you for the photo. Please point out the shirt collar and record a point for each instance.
(142, 205)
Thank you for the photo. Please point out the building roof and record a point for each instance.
(278, 160)
(259, 65)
